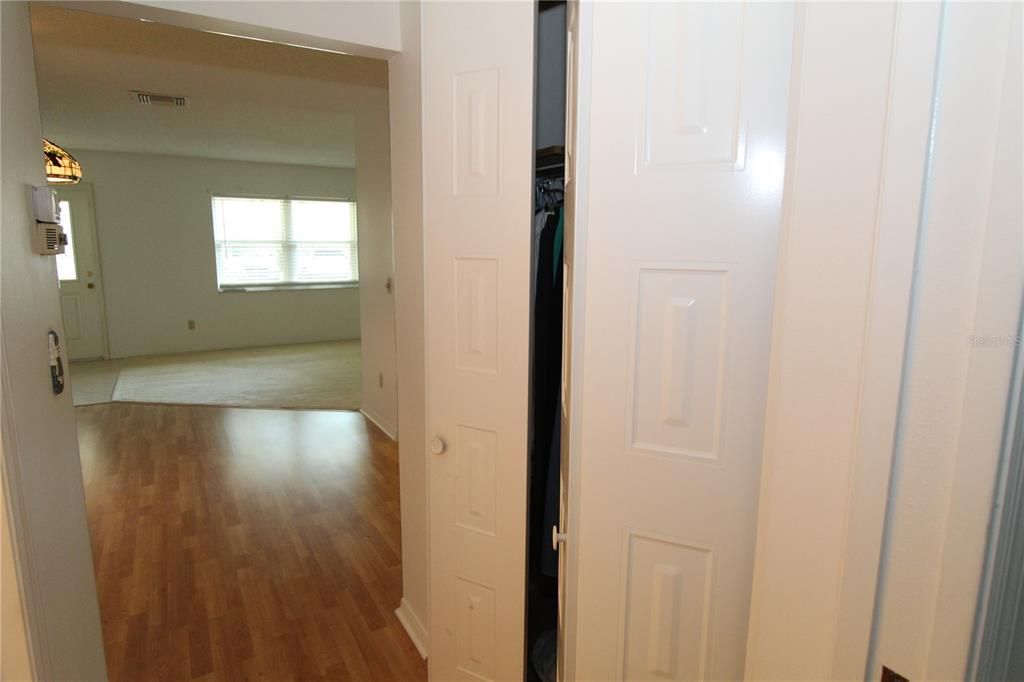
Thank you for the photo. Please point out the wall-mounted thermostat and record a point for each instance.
(46, 205)
(48, 238)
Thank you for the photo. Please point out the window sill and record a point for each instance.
(285, 287)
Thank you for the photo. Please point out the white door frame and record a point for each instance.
(577, 156)
(997, 636)
(970, 278)
(41, 470)
(852, 398)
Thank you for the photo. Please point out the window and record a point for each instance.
(67, 269)
(282, 243)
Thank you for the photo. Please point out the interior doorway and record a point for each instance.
(228, 307)
(218, 255)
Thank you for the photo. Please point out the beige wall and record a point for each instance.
(376, 260)
(155, 234)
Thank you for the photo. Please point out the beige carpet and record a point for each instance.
(322, 376)
(93, 381)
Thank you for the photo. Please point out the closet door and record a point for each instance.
(477, 161)
(688, 115)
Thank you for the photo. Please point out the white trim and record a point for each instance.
(897, 234)
(972, 276)
(390, 431)
(577, 168)
(413, 627)
(815, 574)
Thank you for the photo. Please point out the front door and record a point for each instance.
(78, 270)
(687, 136)
(478, 146)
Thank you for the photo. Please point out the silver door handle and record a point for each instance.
(557, 538)
(438, 446)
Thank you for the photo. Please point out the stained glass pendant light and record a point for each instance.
(61, 167)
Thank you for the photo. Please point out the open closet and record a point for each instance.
(546, 310)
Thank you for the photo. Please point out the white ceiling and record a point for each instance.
(250, 100)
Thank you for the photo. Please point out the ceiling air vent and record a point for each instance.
(161, 100)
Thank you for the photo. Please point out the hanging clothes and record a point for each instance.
(544, 438)
(546, 381)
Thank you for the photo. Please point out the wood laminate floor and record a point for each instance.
(241, 544)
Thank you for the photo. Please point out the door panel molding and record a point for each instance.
(682, 187)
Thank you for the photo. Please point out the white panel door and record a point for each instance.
(477, 161)
(688, 116)
(78, 270)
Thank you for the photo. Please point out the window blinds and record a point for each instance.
(264, 242)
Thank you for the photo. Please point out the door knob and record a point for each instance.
(557, 538)
(438, 446)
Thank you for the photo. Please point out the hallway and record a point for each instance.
(241, 544)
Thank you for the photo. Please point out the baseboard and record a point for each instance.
(413, 627)
(381, 424)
